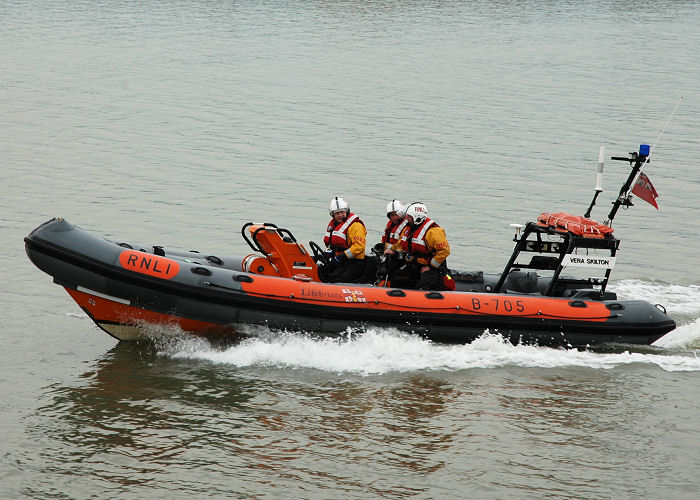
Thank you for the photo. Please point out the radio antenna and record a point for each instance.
(680, 100)
(665, 125)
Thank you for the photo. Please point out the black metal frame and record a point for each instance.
(567, 245)
(570, 241)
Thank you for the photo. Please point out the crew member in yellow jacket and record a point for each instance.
(345, 238)
(424, 245)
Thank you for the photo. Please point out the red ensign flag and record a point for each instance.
(645, 190)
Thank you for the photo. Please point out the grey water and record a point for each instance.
(175, 123)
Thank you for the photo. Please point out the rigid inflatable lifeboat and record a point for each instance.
(126, 287)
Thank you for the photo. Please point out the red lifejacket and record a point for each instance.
(392, 233)
(337, 234)
(413, 240)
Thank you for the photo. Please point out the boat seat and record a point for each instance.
(521, 281)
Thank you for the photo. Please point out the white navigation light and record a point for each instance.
(601, 164)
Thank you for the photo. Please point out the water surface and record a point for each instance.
(175, 123)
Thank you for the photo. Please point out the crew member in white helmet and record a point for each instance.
(392, 265)
(346, 238)
(425, 247)
(394, 227)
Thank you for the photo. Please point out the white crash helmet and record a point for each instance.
(418, 211)
(395, 206)
(338, 205)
